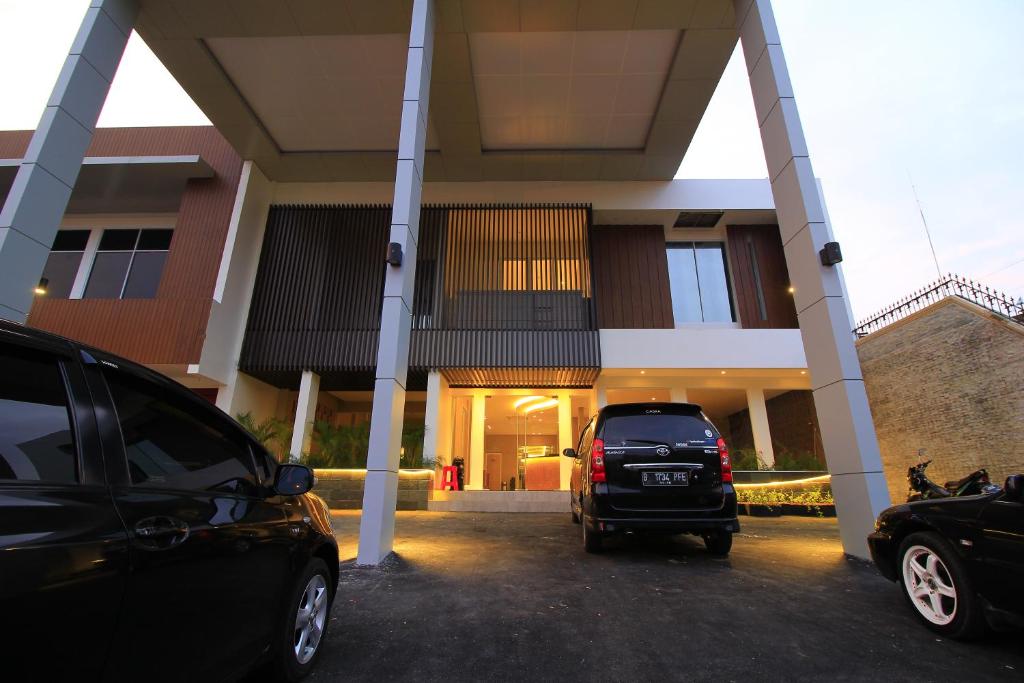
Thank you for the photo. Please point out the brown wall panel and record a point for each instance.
(631, 286)
(169, 328)
(758, 262)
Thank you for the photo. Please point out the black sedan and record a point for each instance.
(959, 560)
(144, 535)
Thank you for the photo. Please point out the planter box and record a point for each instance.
(343, 489)
(788, 509)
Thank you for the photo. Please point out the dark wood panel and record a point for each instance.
(758, 264)
(631, 288)
(168, 329)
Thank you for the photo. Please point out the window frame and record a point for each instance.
(96, 224)
(693, 245)
(61, 357)
(162, 390)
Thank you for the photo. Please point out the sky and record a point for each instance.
(891, 93)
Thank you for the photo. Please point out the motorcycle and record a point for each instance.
(923, 488)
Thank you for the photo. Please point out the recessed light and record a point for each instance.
(653, 399)
(792, 289)
(803, 372)
(643, 372)
(723, 372)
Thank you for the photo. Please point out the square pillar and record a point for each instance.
(677, 394)
(566, 439)
(758, 412)
(600, 393)
(437, 424)
(305, 415)
(377, 525)
(477, 430)
(847, 431)
(41, 189)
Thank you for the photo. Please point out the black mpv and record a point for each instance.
(144, 535)
(656, 467)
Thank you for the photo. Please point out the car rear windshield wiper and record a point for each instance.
(652, 443)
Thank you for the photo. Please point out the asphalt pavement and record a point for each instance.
(487, 597)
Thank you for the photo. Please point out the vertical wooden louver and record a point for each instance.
(505, 287)
(497, 288)
(317, 297)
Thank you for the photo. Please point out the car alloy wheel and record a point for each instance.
(929, 585)
(309, 621)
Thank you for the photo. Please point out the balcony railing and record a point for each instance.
(950, 285)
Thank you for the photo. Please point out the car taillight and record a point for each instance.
(723, 453)
(597, 461)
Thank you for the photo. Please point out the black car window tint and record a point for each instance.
(36, 439)
(172, 443)
(672, 430)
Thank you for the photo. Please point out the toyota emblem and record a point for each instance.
(662, 451)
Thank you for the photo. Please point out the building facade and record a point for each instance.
(452, 232)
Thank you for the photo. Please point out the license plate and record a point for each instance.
(665, 478)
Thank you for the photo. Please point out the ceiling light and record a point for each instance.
(653, 399)
(41, 288)
(723, 372)
(643, 372)
(524, 400)
(803, 372)
(549, 403)
(791, 289)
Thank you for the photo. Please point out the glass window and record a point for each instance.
(699, 282)
(624, 430)
(128, 264)
(172, 443)
(36, 442)
(62, 265)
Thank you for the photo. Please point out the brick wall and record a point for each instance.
(947, 379)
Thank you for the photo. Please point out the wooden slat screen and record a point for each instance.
(760, 277)
(631, 287)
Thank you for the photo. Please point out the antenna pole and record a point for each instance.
(925, 223)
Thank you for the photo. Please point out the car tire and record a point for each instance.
(934, 581)
(592, 541)
(312, 593)
(718, 543)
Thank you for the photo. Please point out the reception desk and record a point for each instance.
(542, 473)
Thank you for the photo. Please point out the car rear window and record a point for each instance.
(674, 430)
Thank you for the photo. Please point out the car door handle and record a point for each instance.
(160, 532)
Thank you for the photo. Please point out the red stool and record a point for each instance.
(449, 478)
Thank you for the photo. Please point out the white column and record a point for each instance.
(42, 187)
(305, 415)
(477, 429)
(601, 392)
(851, 448)
(437, 424)
(566, 439)
(758, 412)
(677, 394)
(377, 525)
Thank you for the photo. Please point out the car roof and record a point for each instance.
(643, 408)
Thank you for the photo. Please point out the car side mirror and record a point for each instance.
(293, 480)
(569, 453)
(1014, 488)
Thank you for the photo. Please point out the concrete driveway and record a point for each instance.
(513, 597)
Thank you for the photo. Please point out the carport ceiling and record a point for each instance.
(521, 89)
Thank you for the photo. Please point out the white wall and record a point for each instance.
(630, 195)
(226, 326)
(700, 348)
